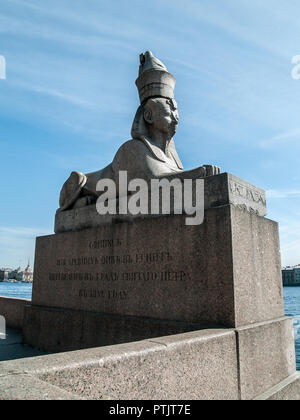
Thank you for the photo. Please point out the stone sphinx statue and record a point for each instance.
(151, 152)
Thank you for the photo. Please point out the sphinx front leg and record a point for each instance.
(84, 200)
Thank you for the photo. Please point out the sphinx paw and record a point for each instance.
(211, 170)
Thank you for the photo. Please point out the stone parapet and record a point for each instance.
(13, 311)
(253, 362)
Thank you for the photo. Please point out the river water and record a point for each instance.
(16, 290)
(292, 308)
(291, 301)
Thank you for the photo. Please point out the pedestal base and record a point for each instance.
(57, 330)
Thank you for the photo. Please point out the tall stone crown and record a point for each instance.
(154, 79)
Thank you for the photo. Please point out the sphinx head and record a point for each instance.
(157, 115)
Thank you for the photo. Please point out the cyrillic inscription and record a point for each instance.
(247, 193)
(115, 259)
(105, 294)
(127, 276)
(68, 269)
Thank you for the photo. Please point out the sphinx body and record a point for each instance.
(151, 152)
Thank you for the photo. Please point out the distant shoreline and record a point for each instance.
(16, 281)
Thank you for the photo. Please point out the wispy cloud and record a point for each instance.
(78, 26)
(74, 100)
(282, 139)
(251, 22)
(283, 194)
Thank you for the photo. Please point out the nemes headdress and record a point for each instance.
(154, 79)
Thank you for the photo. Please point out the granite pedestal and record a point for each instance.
(129, 280)
(145, 277)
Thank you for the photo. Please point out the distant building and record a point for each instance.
(14, 274)
(291, 276)
(4, 274)
(25, 276)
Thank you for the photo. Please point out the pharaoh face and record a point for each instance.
(162, 114)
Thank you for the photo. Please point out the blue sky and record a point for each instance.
(69, 99)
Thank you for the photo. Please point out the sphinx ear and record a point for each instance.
(148, 115)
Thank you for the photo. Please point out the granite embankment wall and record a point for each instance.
(13, 311)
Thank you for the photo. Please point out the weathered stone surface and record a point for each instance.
(200, 365)
(266, 355)
(258, 292)
(25, 387)
(135, 268)
(208, 364)
(219, 190)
